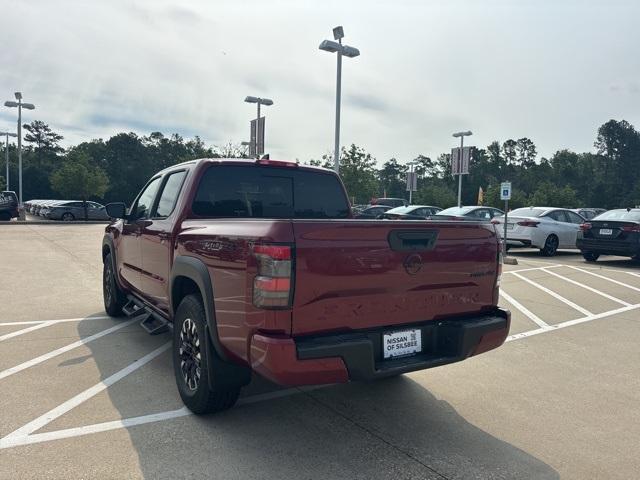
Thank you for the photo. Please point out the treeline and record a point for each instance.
(116, 169)
(608, 178)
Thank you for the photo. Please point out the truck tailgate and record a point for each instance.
(353, 274)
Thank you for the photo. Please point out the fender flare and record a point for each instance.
(108, 242)
(195, 269)
(228, 373)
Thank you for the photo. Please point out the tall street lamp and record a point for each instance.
(6, 150)
(267, 102)
(347, 51)
(20, 106)
(461, 135)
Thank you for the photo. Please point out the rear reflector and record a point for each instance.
(272, 287)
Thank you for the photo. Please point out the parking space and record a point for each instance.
(84, 395)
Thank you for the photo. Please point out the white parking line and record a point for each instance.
(17, 333)
(633, 273)
(82, 397)
(16, 439)
(64, 320)
(570, 280)
(59, 351)
(570, 323)
(605, 278)
(555, 295)
(532, 316)
(532, 269)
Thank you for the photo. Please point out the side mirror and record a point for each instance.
(116, 210)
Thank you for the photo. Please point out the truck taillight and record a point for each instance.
(631, 228)
(272, 287)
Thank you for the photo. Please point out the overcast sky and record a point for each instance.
(551, 70)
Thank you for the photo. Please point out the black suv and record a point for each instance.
(8, 206)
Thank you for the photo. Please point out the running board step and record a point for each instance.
(133, 309)
(154, 324)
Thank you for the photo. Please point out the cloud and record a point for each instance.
(507, 70)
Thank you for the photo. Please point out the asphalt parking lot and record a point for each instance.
(87, 396)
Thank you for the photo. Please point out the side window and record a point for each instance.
(558, 215)
(574, 218)
(142, 207)
(420, 212)
(481, 213)
(496, 213)
(169, 194)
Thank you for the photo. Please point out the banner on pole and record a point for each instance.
(412, 181)
(460, 159)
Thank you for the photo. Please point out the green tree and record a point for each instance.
(437, 195)
(618, 145)
(358, 173)
(525, 152)
(40, 136)
(550, 195)
(509, 151)
(392, 177)
(78, 178)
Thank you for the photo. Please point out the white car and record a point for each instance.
(546, 228)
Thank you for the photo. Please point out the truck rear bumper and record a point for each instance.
(339, 358)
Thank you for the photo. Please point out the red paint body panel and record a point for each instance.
(276, 358)
(348, 278)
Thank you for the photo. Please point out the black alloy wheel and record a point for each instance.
(550, 246)
(190, 355)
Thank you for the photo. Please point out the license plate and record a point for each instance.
(402, 343)
(606, 231)
(510, 226)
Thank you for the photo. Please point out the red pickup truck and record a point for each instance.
(258, 266)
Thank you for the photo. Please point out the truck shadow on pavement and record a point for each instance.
(392, 428)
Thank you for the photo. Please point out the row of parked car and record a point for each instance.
(594, 231)
(66, 210)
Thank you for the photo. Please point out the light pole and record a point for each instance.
(267, 102)
(6, 150)
(347, 51)
(461, 135)
(20, 106)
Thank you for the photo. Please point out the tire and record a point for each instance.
(193, 361)
(550, 246)
(590, 256)
(68, 217)
(114, 298)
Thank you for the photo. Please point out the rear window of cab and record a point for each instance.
(256, 191)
